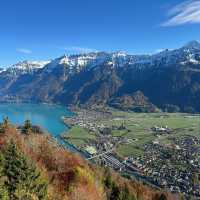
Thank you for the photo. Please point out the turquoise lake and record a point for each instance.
(45, 115)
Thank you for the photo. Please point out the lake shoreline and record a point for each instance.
(47, 116)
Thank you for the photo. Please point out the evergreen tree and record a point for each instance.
(115, 193)
(3, 190)
(118, 193)
(23, 180)
(108, 180)
(4, 193)
(1, 164)
(125, 194)
(6, 122)
(27, 128)
(163, 197)
(4, 126)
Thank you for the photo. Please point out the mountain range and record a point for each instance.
(169, 80)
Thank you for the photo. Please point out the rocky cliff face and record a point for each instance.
(136, 102)
(171, 77)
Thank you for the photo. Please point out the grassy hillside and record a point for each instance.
(34, 167)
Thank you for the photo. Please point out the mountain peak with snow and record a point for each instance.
(189, 53)
(24, 67)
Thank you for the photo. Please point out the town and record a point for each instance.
(166, 160)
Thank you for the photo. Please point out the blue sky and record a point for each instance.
(44, 29)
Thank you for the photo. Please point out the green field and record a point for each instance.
(79, 136)
(138, 126)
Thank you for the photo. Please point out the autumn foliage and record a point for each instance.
(67, 176)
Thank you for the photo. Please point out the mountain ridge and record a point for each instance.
(83, 58)
(170, 77)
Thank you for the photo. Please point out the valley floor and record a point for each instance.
(160, 149)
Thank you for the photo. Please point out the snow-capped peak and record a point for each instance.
(24, 67)
(119, 54)
(78, 62)
(29, 65)
(189, 53)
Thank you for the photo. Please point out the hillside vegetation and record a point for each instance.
(34, 167)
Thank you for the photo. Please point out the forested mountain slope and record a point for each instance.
(33, 166)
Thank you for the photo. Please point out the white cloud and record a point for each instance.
(79, 49)
(187, 12)
(25, 51)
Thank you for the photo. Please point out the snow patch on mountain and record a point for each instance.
(77, 62)
(29, 65)
(23, 67)
(189, 53)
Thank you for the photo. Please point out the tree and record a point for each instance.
(27, 128)
(6, 122)
(5, 125)
(120, 193)
(115, 192)
(163, 197)
(125, 194)
(108, 180)
(3, 190)
(4, 193)
(23, 180)
(2, 163)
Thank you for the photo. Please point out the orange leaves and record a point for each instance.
(69, 176)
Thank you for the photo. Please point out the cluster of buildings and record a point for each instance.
(102, 151)
(87, 119)
(175, 167)
(161, 129)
